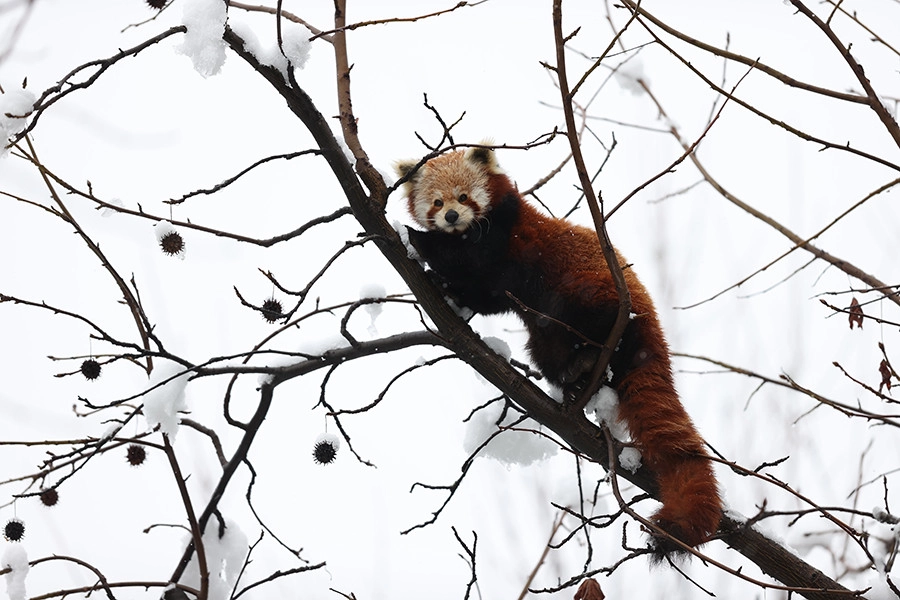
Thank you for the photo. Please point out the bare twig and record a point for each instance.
(874, 102)
(196, 530)
(469, 558)
(317, 33)
(66, 86)
(345, 27)
(636, 9)
(367, 172)
(557, 523)
(609, 253)
(844, 147)
(798, 240)
(131, 300)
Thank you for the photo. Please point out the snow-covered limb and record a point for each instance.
(162, 404)
(226, 549)
(883, 516)
(15, 558)
(293, 53)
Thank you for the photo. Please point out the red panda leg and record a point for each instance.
(648, 403)
(567, 360)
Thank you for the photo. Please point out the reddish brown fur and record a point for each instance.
(556, 268)
(568, 256)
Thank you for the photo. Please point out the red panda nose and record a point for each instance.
(451, 216)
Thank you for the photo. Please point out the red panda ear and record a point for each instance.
(403, 168)
(483, 156)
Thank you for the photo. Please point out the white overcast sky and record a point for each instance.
(152, 128)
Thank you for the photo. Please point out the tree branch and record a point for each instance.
(571, 426)
(609, 253)
(872, 98)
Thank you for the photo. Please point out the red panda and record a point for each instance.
(495, 253)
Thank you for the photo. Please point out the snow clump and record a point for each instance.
(294, 50)
(16, 559)
(373, 291)
(15, 106)
(162, 404)
(509, 447)
(225, 557)
(203, 43)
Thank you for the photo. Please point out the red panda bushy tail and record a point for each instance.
(691, 506)
(671, 447)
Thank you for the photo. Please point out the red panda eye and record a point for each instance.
(439, 203)
(463, 197)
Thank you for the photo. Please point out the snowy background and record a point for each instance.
(176, 118)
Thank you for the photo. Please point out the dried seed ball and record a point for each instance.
(90, 369)
(170, 241)
(271, 310)
(14, 530)
(49, 497)
(325, 448)
(157, 4)
(136, 455)
(324, 453)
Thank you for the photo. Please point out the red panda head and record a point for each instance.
(450, 192)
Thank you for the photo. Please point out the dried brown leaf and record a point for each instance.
(885, 371)
(856, 313)
(589, 590)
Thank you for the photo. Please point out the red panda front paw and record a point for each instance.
(581, 365)
(572, 392)
(576, 374)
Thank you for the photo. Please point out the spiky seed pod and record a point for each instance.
(90, 369)
(325, 448)
(14, 530)
(49, 497)
(172, 243)
(324, 453)
(157, 4)
(271, 310)
(169, 239)
(136, 455)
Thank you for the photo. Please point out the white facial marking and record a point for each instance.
(460, 188)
